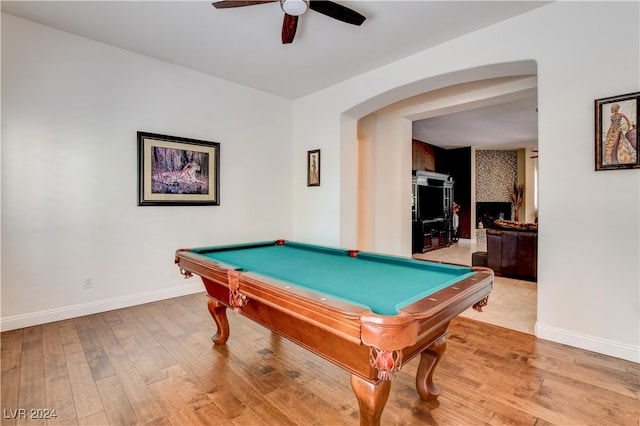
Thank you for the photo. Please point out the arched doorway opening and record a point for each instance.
(384, 135)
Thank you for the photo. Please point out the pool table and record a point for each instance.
(365, 312)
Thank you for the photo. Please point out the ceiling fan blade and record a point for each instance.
(337, 11)
(289, 26)
(226, 4)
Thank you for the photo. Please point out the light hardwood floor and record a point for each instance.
(512, 303)
(154, 364)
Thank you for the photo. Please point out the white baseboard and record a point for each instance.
(59, 314)
(590, 343)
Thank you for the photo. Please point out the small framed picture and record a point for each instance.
(174, 171)
(616, 132)
(313, 168)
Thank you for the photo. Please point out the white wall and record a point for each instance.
(589, 241)
(71, 108)
(531, 186)
(390, 227)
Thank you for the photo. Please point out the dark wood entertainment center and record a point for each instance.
(432, 226)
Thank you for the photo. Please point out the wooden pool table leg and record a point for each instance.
(218, 312)
(371, 399)
(429, 359)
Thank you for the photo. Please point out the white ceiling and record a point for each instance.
(243, 44)
(509, 125)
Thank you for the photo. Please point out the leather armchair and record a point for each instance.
(513, 252)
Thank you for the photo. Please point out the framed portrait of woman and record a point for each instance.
(616, 132)
(313, 167)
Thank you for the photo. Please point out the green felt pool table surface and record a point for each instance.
(384, 284)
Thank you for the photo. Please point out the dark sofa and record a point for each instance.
(512, 249)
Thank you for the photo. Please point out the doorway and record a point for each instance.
(385, 165)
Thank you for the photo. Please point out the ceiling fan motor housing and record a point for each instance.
(294, 7)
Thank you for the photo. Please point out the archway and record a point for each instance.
(382, 210)
(381, 220)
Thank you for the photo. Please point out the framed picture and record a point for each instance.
(313, 168)
(175, 171)
(617, 132)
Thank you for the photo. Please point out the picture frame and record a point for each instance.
(176, 171)
(313, 167)
(616, 132)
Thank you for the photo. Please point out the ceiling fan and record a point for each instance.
(294, 8)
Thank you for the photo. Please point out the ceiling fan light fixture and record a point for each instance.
(294, 7)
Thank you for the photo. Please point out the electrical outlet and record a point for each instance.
(87, 283)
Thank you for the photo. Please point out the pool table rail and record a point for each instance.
(470, 288)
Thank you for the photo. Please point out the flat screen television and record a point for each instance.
(430, 202)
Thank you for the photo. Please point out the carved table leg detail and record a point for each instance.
(218, 312)
(371, 399)
(429, 359)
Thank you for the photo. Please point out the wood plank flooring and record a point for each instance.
(154, 364)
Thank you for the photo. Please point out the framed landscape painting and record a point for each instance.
(174, 171)
(616, 132)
